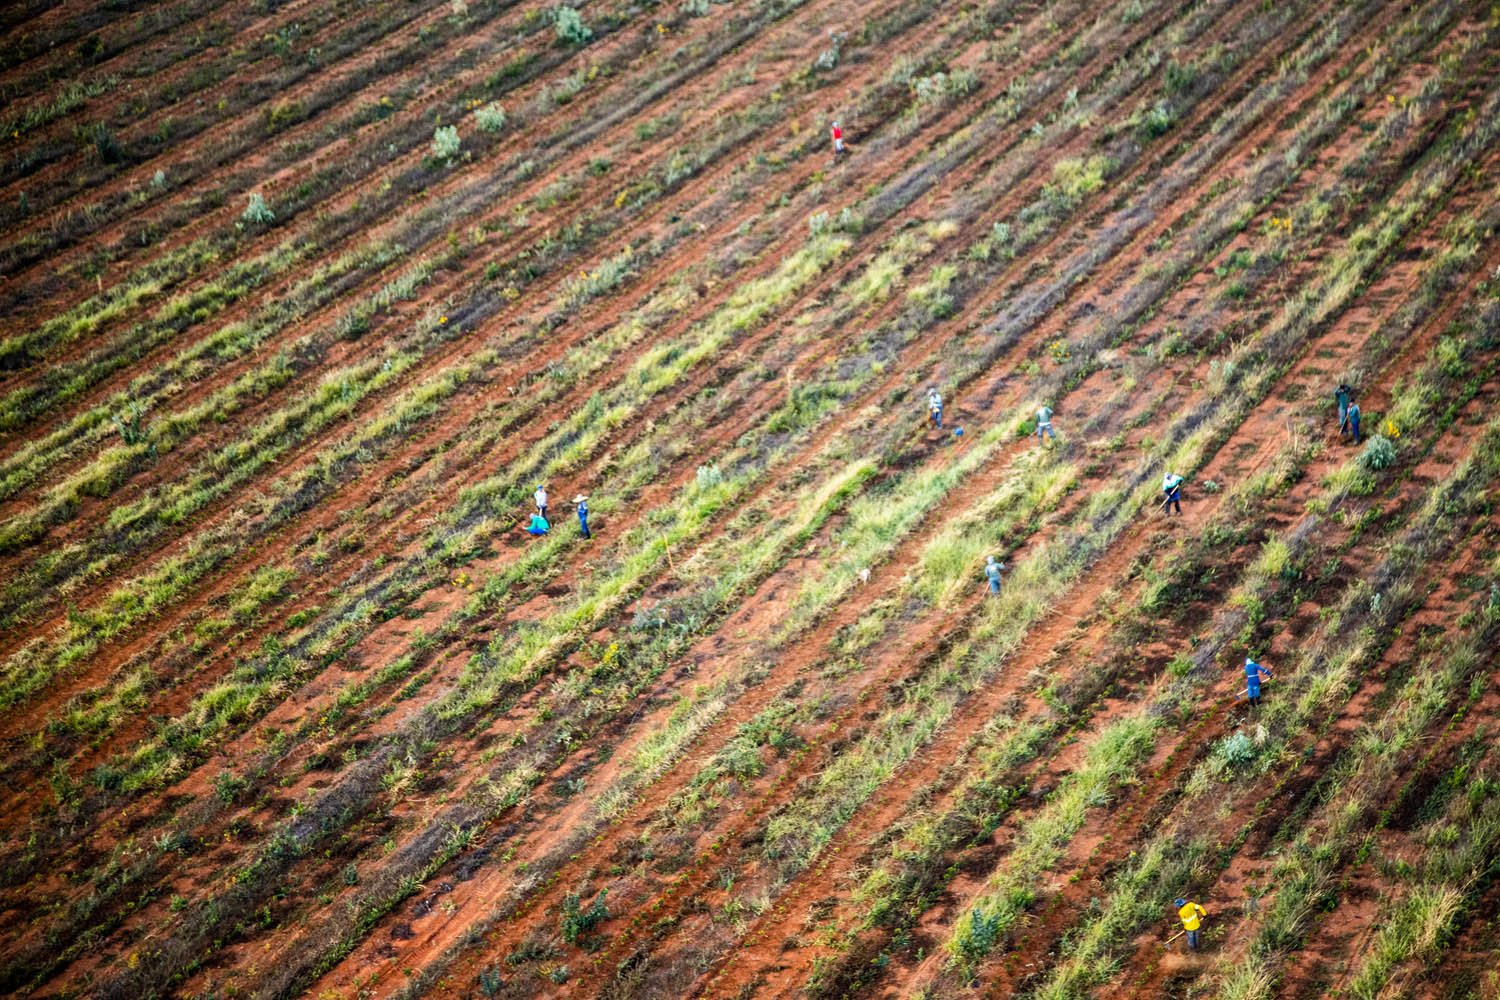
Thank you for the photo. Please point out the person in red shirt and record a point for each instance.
(838, 141)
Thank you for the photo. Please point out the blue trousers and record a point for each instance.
(583, 526)
(1193, 940)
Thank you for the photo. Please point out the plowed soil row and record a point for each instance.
(442, 853)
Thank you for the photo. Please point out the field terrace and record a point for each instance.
(292, 706)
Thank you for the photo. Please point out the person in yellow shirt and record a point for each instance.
(1191, 915)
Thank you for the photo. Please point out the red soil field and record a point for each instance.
(302, 303)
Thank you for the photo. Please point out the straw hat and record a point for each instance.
(580, 498)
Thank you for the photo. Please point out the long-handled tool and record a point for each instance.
(1174, 937)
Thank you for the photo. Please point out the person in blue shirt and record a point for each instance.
(1253, 674)
(1044, 422)
(1341, 397)
(582, 501)
(538, 525)
(992, 570)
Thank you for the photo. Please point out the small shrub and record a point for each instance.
(943, 87)
(281, 115)
(445, 142)
(490, 118)
(708, 476)
(129, 424)
(159, 180)
(1379, 454)
(490, 982)
(829, 57)
(576, 921)
(978, 937)
(1074, 178)
(228, 785)
(106, 146)
(569, 26)
(1236, 750)
(1158, 121)
(257, 212)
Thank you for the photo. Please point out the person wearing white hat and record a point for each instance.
(582, 501)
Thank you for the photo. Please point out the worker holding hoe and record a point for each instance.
(1352, 419)
(541, 500)
(1254, 672)
(582, 501)
(935, 407)
(1191, 915)
(992, 570)
(1342, 395)
(1171, 488)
